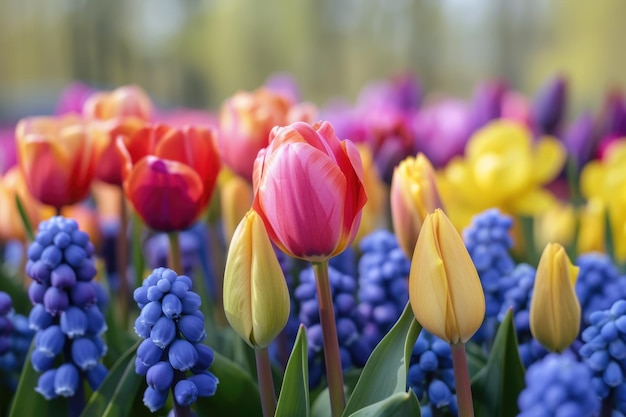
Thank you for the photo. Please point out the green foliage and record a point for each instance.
(400, 404)
(28, 228)
(294, 393)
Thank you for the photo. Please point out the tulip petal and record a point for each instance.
(549, 158)
(165, 193)
(303, 188)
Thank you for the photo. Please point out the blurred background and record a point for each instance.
(195, 53)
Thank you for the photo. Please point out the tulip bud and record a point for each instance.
(413, 196)
(236, 199)
(256, 299)
(554, 307)
(444, 289)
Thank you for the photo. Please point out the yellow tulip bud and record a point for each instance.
(444, 289)
(414, 194)
(554, 307)
(256, 298)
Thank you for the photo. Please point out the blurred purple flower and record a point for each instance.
(285, 84)
(549, 105)
(8, 154)
(613, 117)
(579, 139)
(73, 97)
(486, 104)
(441, 130)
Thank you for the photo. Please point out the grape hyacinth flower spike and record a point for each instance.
(66, 312)
(172, 356)
(15, 339)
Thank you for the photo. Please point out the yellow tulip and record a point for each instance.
(235, 199)
(554, 307)
(444, 289)
(414, 195)
(374, 213)
(256, 298)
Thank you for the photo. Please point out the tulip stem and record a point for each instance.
(266, 384)
(334, 374)
(122, 258)
(461, 380)
(175, 261)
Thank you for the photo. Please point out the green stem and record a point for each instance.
(175, 259)
(462, 380)
(332, 359)
(266, 384)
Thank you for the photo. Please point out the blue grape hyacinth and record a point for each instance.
(383, 284)
(353, 349)
(15, 339)
(66, 312)
(172, 356)
(431, 375)
(558, 385)
(599, 283)
(604, 350)
(489, 243)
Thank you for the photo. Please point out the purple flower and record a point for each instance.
(550, 104)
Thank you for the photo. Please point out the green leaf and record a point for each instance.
(401, 404)
(10, 283)
(118, 390)
(294, 393)
(386, 369)
(27, 402)
(237, 393)
(496, 387)
(28, 228)
(476, 358)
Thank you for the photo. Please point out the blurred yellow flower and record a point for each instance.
(256, 298)
(554, 307)
(444, 289)
(603, 184)
(235, 199)
(374, 213)
(503, 167)
(556, 224)
(414, 195)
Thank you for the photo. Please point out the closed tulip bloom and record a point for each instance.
(169, 174)
(444, 289)
(414, 194)
(246, 120)
(256, 298)
(554, 306)
(125, 101)
(58, 158)
(308, 188)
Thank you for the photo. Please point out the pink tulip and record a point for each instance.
(308, 189)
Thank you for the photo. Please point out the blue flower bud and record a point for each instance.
(151, 312)
(617, 349)
(613, 375)
(182, 355)
(154, 399)
(40, 272)
(51, 256)
(96, 375)
(74, 322)
(172, 306)
(80, 238)
(39, 318)
(86, 271)
(346, 331)
(140, 367)
(74, 255)
(192, 328)
(36, 291)
(191, 302)
(44, 238)
(34, 251)
(205, 358)
(206, 383)
(154, 294)
(149, 353)
(50, 341)
(41, 361)
(429, 361)
(102, 347)
(185, 392)
(85, 353)
(140, 295)
(6, 304)
(62, 240)
(45, 384)
(163, 332)
(599, 360)
(164, 285)
(439, 394)
(95, 319)
(160, 376)
(169, 275)
(185, 279)
(55, 300)
(142, 329)
(66, 380)
(179, 289)
(83, 294)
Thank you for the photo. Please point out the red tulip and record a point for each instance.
(169, 174)
(58, 158)
(309, 190)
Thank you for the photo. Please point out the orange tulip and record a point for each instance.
(246, 120)
(308, 188)
(169, 174)
(58, 157)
